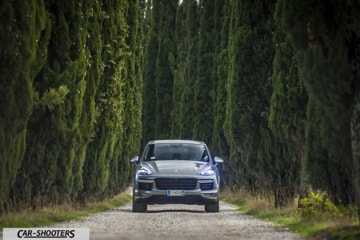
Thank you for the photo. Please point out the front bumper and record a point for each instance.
(205, 191)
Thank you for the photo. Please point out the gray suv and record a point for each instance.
(176, 172)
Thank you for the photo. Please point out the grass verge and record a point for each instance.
(310, 227)
(52, 215)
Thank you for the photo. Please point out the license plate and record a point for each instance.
(175, 193)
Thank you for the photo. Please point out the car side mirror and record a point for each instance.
(135, 160)
(218, 161)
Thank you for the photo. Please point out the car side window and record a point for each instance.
(205, 156)
(150, 156)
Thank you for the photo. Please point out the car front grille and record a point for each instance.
(176, 183)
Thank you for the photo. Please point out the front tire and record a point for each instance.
(212, 207)
(139, 207)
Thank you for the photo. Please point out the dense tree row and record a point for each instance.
(70, 99)
(326, 38)
(272, 86)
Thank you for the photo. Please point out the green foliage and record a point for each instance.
(289, 99)
(335, 223)
(151, 46)
(319, 206)
(117, 127)
(164, 68)
(219, 74)
(24, 35)
(180, 84)
(204, 92)
(252, 145)
(51, 98)
(323, 43)
(186, 70)
(270, 88)
(71, 116)
(60, 213)
(287, 115)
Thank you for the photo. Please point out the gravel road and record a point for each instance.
(177, 222)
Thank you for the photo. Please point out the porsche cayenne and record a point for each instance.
(176, 172)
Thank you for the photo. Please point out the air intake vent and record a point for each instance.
(145, 186)
(176, 183)
(206, 186)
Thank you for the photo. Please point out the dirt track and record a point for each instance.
(177, 222)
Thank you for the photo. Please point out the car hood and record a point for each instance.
(175, 166)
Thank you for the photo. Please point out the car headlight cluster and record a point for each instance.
(144, 171)
(207, 172)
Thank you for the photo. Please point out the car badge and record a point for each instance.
(175, 170)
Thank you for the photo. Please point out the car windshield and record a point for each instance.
(176, 151)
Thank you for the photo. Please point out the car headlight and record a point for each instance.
(144, 171)
(207, 172)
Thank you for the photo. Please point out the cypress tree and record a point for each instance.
(324, 36)
(355, 114)
(252, 145)
(187, 35)
(118, 100)
(130, 144)
(24, 35)
(94, 44)
(355, 131)
(190, 71)
(288, 114)
(150, 53)
(204, 84)
(164, 68)
(80, 82)
(222, 11)
(54, 156)
(179, 76)
(236, 166)
(103, 154)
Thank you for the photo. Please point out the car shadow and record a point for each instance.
(175, 210)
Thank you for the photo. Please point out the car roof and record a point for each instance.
(175, 141)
